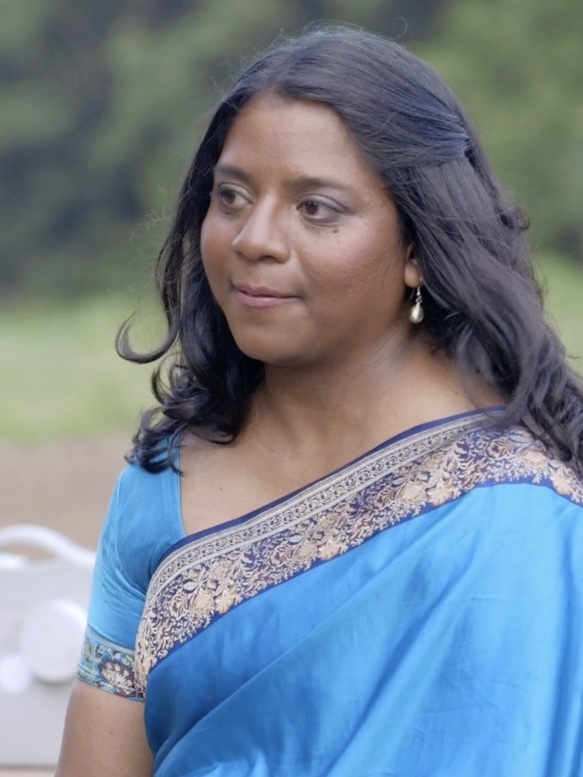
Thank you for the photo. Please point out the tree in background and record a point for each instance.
(517, 65)
(100, 107)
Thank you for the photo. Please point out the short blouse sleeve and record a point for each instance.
(141, 523)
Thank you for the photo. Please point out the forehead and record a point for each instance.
(297, 112)
(287, 133)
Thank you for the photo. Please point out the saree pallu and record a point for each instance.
(417, 613)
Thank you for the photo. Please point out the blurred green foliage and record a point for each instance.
(517, 66)
(101, 105)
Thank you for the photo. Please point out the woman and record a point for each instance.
(349, 539)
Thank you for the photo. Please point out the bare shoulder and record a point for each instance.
(201, 459)
(104, 734)
(220, 482)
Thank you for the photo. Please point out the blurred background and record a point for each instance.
(101, 106)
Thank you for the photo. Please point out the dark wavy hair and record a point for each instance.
(482, 304)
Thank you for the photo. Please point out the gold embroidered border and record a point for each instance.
(210, 575)
(107, 666)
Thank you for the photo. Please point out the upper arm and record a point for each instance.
(104, 735)
(104, 730)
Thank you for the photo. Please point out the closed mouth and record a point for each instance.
(260, 291)
(261, 297)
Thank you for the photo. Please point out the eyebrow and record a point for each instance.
(232, 171)
(299, 184)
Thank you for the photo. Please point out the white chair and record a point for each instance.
(43, 604)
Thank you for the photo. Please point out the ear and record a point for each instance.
(411, 273)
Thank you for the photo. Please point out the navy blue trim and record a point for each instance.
(188, 538)
(427, 509)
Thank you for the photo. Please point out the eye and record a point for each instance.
(320, 211)
(229, 198)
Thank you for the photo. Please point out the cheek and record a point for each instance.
(206, 233)
(210, 244)
(365, 265)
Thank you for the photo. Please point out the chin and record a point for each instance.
(271, 355)
(275, 360)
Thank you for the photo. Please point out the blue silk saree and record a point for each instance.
(417, 613)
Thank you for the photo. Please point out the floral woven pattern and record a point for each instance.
(206, 577)
(107, 666)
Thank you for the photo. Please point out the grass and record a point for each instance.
(60, 375)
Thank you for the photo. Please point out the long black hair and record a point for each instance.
(482, 304)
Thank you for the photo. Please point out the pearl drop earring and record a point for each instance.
(416, 313)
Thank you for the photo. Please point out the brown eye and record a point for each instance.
(311, 208)
(320, 211)
(229, 197)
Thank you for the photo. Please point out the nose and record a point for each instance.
(263, 234)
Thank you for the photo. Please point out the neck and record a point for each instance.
(345, 410)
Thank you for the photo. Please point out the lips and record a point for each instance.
(260, 296)
(259, 291)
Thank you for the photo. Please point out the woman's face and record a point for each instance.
(301, 243)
